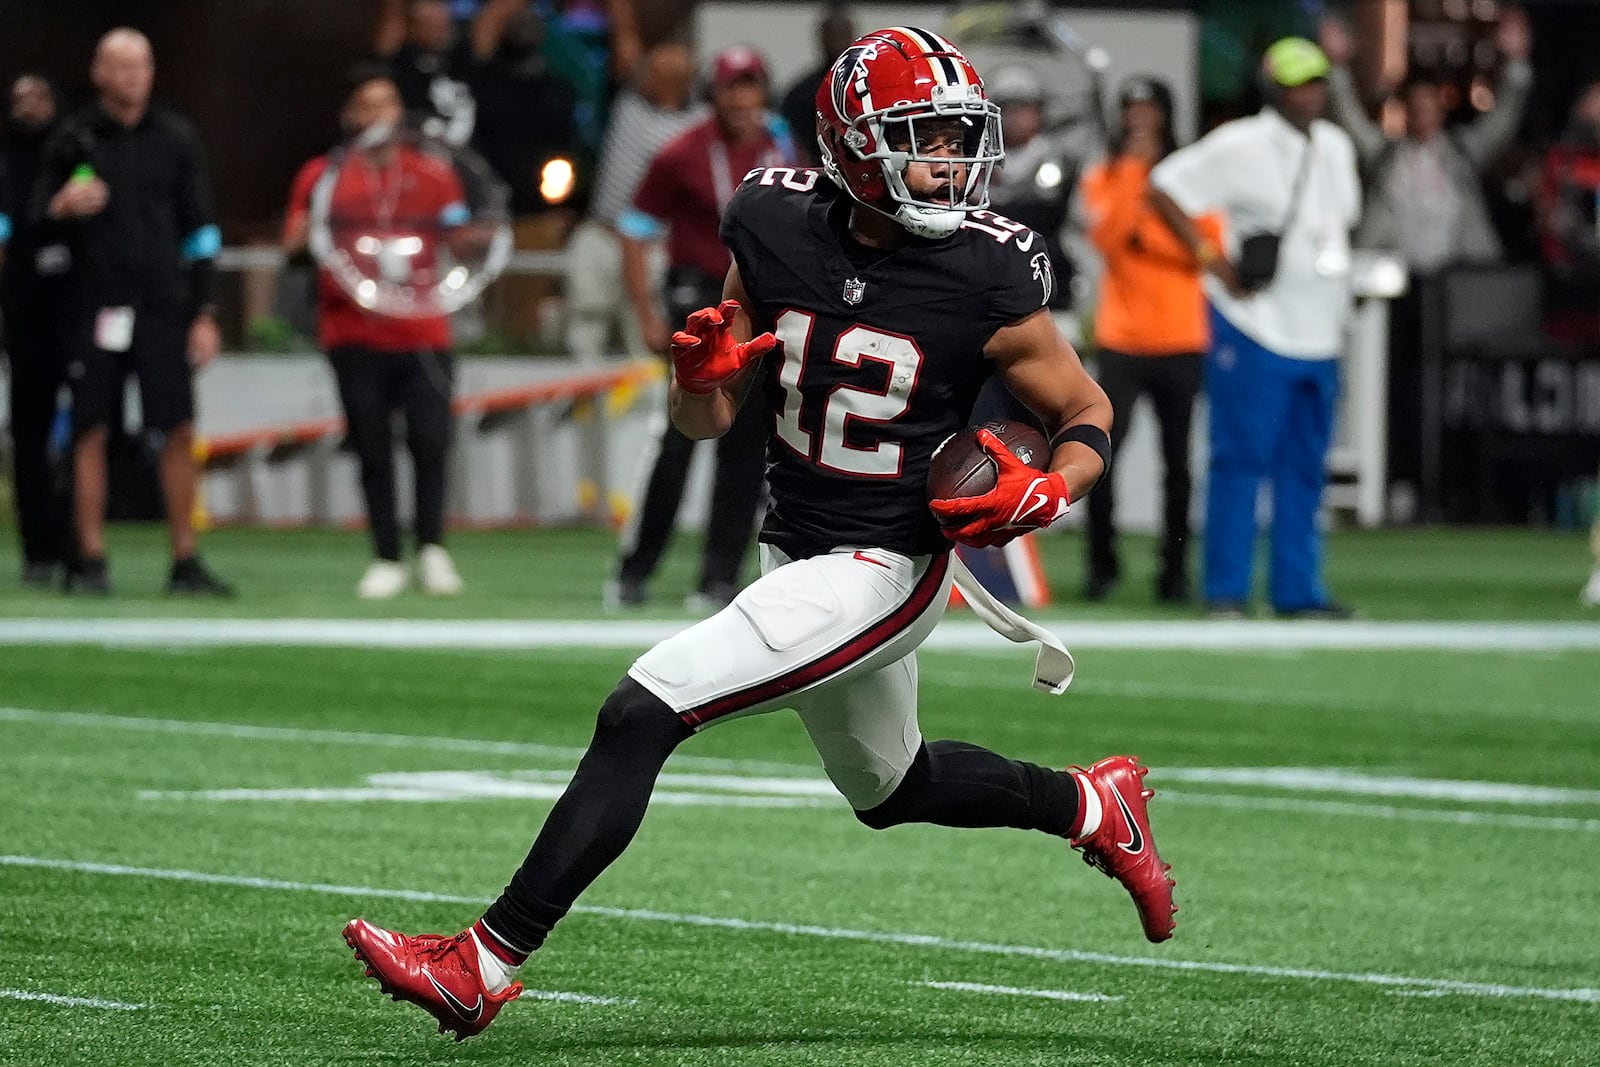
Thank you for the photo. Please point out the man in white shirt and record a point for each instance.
(1277, 322)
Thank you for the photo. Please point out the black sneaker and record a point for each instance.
(190, 577)
(40, 574)
(88, 577)
(1332, 611)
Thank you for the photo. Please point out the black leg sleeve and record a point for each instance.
(595, 818)
(952, 783)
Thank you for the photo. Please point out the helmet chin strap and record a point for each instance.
(929, 222)
(932, 223)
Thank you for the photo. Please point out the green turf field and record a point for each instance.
(1388, 574)
(1384, 857)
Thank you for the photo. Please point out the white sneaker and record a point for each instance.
(1591, 592)
(438, 571)
(385, 579)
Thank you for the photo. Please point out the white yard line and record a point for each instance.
(938, 673)
(69, 1002)
(576, 998)
(1505, 820)
(907, 940)
(1366, 783)
(957, 633)
(805, 781)
(245, 732)
(1013, 991)
(672, 787)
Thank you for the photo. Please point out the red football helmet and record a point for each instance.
(903, 96)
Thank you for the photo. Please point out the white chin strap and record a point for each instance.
(929, 222)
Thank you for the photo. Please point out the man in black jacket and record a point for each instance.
(124, 184)
(29, 293)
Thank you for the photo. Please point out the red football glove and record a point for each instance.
(1022, 499)
(705, 355)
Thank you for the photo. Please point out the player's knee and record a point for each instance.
(906, 804)
(635, 713)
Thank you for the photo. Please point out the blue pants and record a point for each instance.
(1271, 417)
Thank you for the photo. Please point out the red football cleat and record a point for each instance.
(438, 974)
(1123, 846)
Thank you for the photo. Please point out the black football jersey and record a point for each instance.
(881, 356)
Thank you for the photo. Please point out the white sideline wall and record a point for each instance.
(246, 392)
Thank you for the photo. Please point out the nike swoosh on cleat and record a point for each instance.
(467, 1014)
(1135, 843)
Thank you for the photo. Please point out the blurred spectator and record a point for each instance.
(835, 30)
(1424, 193)
(1569, 214)
(1149, 325)
(1280, 298)
(594, 45)
(1034, 184)
(681, 199)
(644, 119)
(524, 112)
(1425, 202)
(433, 65)
(30, 283)
(125, 184)
(386, 365)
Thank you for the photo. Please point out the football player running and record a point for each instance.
(888, 295)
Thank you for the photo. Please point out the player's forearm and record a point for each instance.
(1079, 463)
(701, 416)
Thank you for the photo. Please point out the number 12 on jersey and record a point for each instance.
(846, 404)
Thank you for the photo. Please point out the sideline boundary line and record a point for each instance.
(907, 940)
(965, 634)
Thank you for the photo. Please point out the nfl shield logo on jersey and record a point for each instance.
(854, 290)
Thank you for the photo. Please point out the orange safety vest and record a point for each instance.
(1151, 300)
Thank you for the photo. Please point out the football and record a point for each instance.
(961, 468)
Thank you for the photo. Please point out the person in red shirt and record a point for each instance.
(681, 199)
(382, 363)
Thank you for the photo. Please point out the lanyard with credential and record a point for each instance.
(722, 177)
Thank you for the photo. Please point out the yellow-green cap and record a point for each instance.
(1295, 61)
